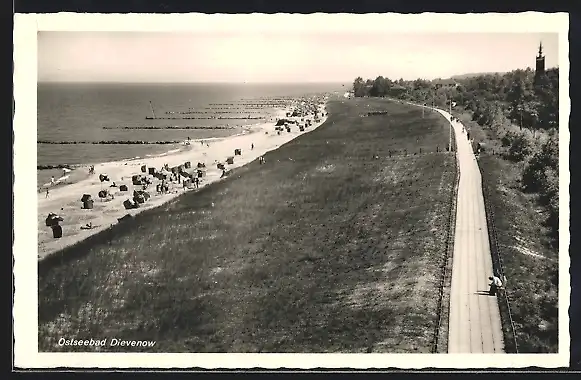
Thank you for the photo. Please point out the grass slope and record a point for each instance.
(530, 262)
(331, 246)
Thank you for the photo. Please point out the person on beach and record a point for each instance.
(252, 146)
(46, 193)
(52, 181)
(495, 284)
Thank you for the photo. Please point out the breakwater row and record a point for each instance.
(270, 104)
(59, 166)
(107, 142)
(206, 112)
(177, 128)
(228, 108)
(201, 118)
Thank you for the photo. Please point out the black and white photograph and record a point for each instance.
(387, 190)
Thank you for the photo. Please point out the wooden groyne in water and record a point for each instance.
(177, 128)
(59, 166)
(107, 142)
(201, 118)
(209, 112)
(255, 104)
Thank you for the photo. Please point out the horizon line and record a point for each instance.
(188, 82)
(282, 82)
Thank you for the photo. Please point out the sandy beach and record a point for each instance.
(65, 200)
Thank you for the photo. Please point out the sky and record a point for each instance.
(277, 57)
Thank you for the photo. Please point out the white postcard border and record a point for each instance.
(25, 310)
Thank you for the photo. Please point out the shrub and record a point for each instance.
(550, 152)
(553, 218)
(550, 186)
(541, 172)
(533, 178)
(520, 148)
(507, 139)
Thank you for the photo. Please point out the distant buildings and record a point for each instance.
(444, 83)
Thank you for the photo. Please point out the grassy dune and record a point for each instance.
(331, 246)
(529, 263)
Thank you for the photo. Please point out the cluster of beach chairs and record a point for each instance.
(303, 113)
(166, 178)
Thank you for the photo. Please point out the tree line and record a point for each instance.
(519, 111)
(530, 104)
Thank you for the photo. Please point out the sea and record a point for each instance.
(79, 113)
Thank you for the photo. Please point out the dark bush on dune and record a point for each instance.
(506, 140)
(535, 174)
(519, 149)
(541, 175)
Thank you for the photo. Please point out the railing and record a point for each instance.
(508, 329)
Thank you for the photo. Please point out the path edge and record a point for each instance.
(440, 343)
(442, 328)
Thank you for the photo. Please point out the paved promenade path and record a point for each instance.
(474, 316)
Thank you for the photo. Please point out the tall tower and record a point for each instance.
(540, 67)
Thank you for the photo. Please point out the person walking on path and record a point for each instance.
(46, 193)
(495, 284)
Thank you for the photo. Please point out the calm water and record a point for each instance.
(79, 112)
